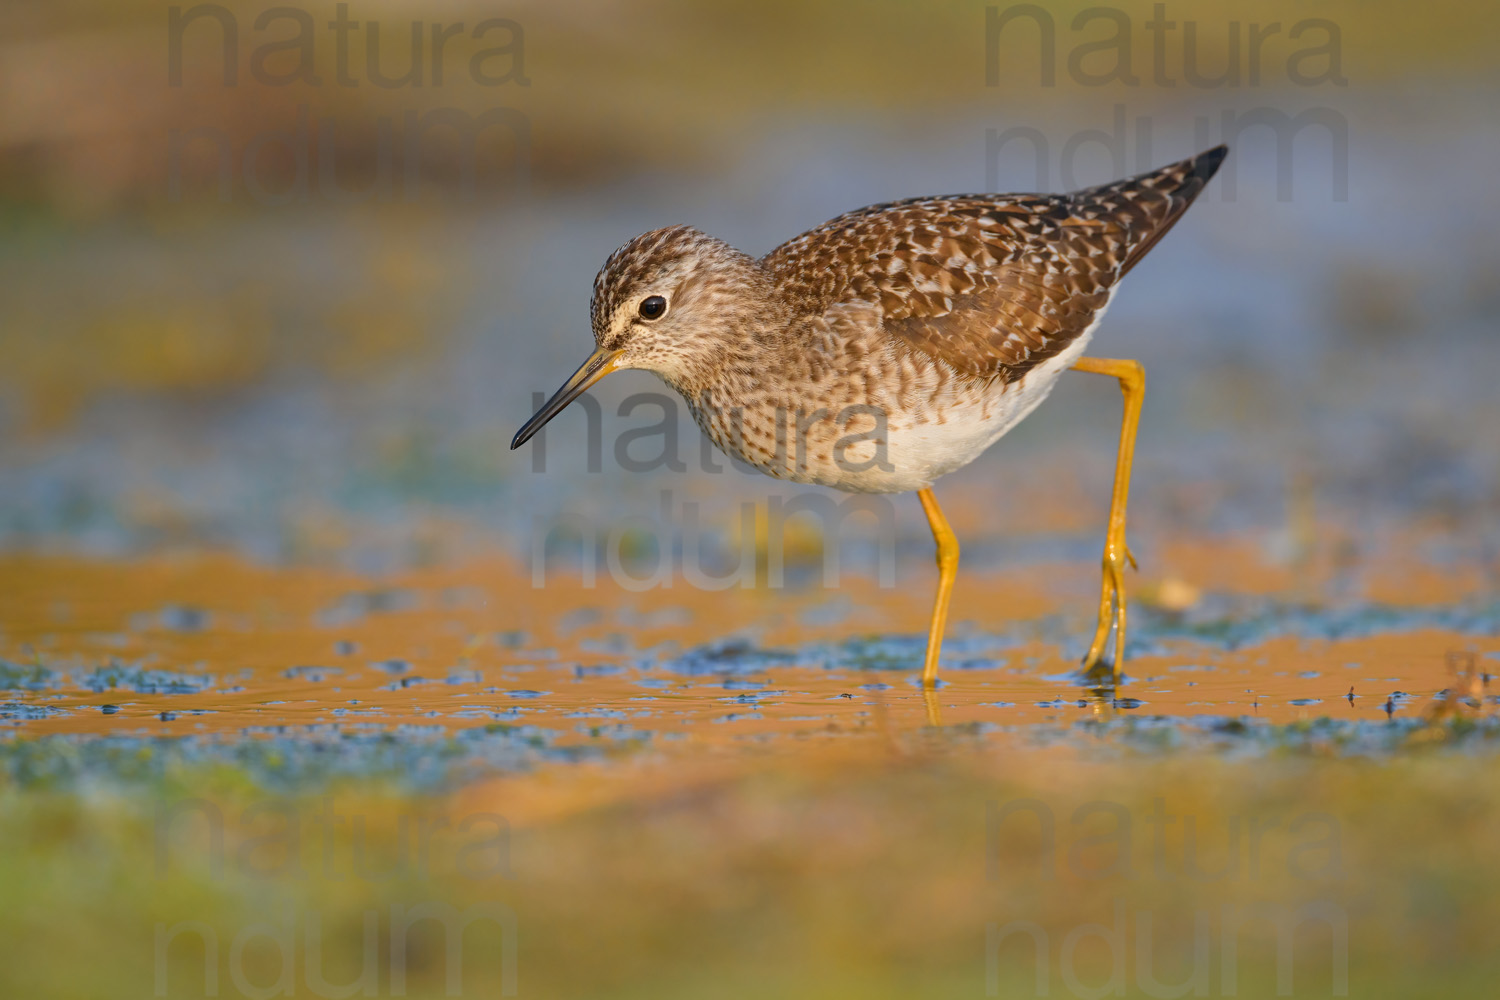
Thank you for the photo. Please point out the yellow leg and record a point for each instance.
(1116, 553)
(947, 561)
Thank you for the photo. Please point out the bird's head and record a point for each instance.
(673, 301)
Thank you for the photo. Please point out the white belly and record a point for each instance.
(918, 452)
(901, 436)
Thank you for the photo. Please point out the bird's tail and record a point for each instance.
(1149, 205)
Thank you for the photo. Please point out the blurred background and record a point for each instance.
(286, 283)
(279, 283)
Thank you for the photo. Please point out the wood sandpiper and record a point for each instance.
(894, 344)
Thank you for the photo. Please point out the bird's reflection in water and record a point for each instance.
(934, 711)
(1104, 690)
(1102, 682)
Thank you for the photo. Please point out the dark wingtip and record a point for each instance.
(1206, 163)
(1184, 181)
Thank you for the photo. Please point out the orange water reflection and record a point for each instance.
(218, 645)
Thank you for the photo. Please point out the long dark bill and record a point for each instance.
(599, 364)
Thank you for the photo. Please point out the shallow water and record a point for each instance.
(471, 666)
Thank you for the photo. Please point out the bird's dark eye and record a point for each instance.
(653, 307)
